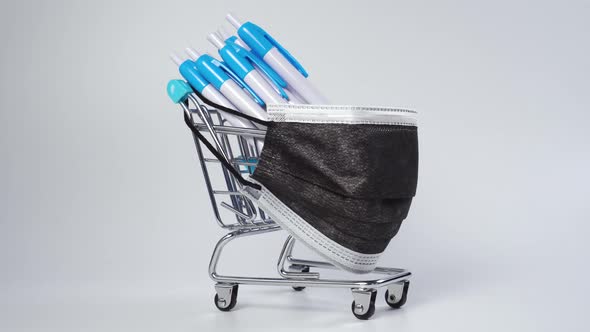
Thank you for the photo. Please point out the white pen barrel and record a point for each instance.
(264, 90)
(242, 101)
(293, 77)
(212, 94)
(294, 98)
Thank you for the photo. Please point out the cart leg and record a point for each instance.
(295, 271)
(226, 297)
(363, 306)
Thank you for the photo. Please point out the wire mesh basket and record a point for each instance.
(241, 148)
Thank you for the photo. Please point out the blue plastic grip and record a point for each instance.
(261, 42)
(236, 60)
(210, 69)
(178, 90)
(189, 72)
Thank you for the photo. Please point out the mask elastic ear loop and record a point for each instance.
(218, 155)
(229, 110)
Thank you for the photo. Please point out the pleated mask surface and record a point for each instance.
(338, 178)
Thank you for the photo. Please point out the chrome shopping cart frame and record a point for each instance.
(238, 147)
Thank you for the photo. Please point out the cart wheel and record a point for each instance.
(397, 298)
(364, 310)
(226, 297)
(299, 268)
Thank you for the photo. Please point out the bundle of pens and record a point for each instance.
(255, 71)
(340, 179)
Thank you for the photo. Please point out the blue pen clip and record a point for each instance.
(261, 42)
(276, 80)
(238, 80)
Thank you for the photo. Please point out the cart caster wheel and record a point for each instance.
(226, 297)
(299, 268)
(363, 306)
(397, 294)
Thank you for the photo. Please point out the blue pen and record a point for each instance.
(294, 97)
(278, 58)
(229, 84)
(244, 63)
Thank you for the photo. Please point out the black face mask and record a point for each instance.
(340, 179)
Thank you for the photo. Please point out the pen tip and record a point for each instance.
(223, 33)
(216, 40)
(194, 54)
(175, 58)
(233, 20)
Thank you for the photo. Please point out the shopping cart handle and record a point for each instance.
(178, 90)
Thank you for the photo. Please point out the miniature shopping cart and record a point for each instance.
(241, 217)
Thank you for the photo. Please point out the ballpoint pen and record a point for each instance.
(229, 84)
(278, 58)
(189, 72)
(243, 63)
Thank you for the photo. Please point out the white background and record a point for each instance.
(104, 219)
